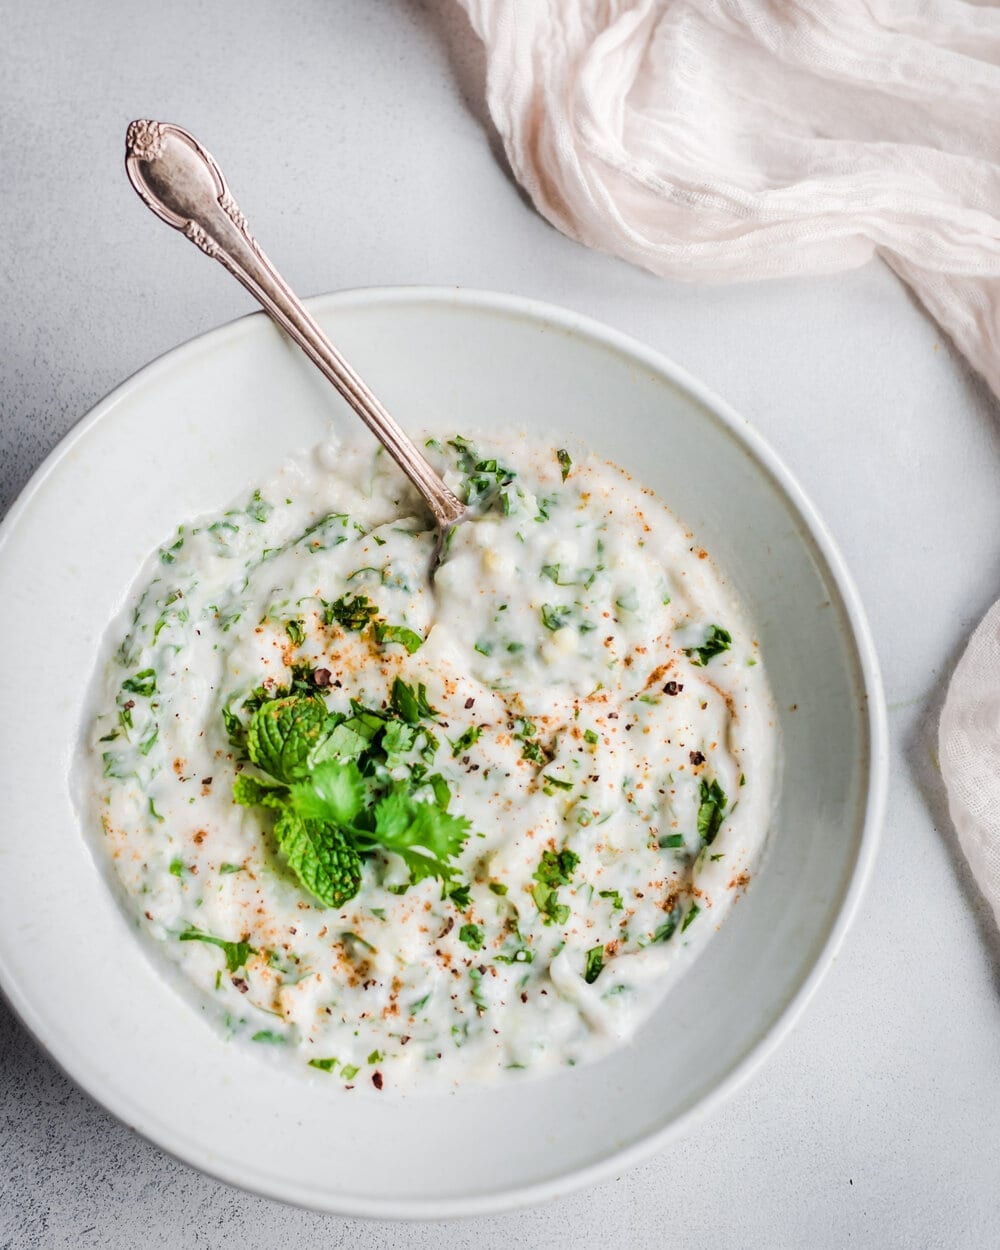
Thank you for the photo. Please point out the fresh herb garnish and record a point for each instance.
(692, 911)
(324, 1065)
(296, 632)
(472, 935)
(351, 612)
(398, 633)
(460, 896)
(554, 870)
(616, 899)
(334, 799)
(672, 841)
(565, 463)
(410, 704)
(236, 953)
(555, 617)
(466, 740)
(269, 1036)
(589, 735)
(716, 641)
(711, 810)
(594, 965)
(143, 683)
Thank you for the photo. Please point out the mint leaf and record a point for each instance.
(283, 734)
(249, 792)
(236, 953)
(398, 633)
(319, 855)
(335, 792)
(716, 641)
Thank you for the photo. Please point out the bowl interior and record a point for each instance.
(182, 438)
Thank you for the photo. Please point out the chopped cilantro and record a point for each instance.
(716, 641)
(595, 964)
(590, 736)
(349, 1071)
(555, 617)
(398, 633)
(672, 840)
(466, 740)
(295, 631)
(498, 888)
(711, 810)
(408, 703)
(177, 867)
(616, 899)
(460, 897)
(143, 683)
(565, 463)
(472, 935)
(324, 1065)
(350, 612)
(236, 953)
(692, 911)
(272, 1038)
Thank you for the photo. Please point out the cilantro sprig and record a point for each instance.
(326, 777)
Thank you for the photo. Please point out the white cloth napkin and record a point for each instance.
(718, 140)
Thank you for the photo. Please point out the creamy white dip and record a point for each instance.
(595, 707)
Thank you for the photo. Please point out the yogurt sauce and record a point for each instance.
(596, 707)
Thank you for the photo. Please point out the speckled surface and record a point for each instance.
(352, 134)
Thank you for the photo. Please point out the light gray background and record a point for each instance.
(355, 138)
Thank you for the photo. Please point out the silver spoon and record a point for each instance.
(175, 177)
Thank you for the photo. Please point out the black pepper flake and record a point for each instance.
(696, 758)
(321, 677)
(206, 781)
(377, 1079)
(338, 683)
(673, 687)
(241, 985)
(469, 703)
(404, 1039)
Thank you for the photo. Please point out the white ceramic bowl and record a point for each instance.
(181, 438)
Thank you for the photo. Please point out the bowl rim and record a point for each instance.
(871, 702)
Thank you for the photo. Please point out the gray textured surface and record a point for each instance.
(352, 134)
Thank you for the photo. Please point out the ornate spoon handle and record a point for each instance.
(181, 183)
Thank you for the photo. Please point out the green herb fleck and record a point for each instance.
(595, 964)
(565, 463)
(711, 810)
(407, 638)
(716, 641)
(143, 683)
(472, 935)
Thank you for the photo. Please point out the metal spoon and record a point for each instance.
(175, 177)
